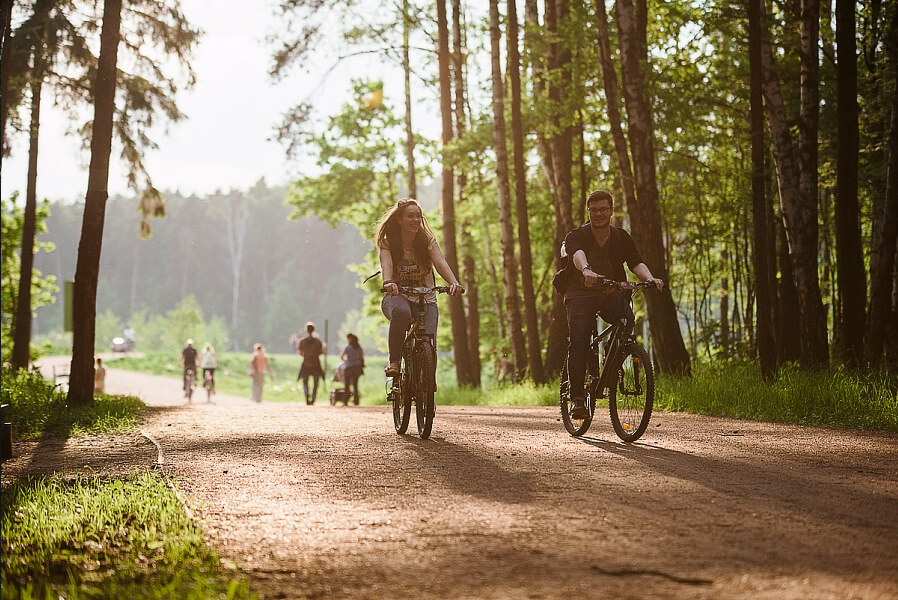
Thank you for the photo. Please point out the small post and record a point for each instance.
(5, 434)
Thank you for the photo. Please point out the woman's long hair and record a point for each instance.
(388, 235)
(353, 340)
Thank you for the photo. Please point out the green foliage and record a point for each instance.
(38, 408)
(833, 398)
(42, 287)
(89, 537)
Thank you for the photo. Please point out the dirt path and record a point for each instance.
(323, 502)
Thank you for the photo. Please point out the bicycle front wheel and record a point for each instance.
(426, 385)
(632, 393)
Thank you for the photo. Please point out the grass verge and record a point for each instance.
(90, 537)
(37, 408)
(834, 397)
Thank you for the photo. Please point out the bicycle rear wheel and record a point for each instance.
(632, 393)
(426, 385)
(577, 427)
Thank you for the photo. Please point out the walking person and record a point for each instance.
(310, 348)
(409, 253)
(258, 366)
(353, 358)
(100, 378)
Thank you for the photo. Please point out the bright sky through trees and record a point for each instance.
(226, 140)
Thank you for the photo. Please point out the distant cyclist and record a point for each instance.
(408, 254)
(209, 363)
(597, 249)
(187, 361)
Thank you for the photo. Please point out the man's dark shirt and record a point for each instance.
(189, 355)
(608, 260)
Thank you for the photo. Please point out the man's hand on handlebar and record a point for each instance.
(659, 284)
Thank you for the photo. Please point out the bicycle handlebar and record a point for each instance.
(423, 291)
(625, 285)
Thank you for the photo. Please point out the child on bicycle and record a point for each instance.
(597, 250)
(409, 253)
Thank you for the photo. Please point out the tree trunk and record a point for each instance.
(766, 342)
(885, 222)
(469, 270)
(670, 351)
(537, 73)
(235, 228)
(506, 228)
(799, 217)
(534, 346)
(560, 151)
(456, 308)
(87, 270)
(21, 327)
(609, 81)
(850, 273)
(789, 336)
(5, 64)
(409, 135)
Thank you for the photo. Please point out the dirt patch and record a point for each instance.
(328, 502)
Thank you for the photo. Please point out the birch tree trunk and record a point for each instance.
(87, 270)
(799, 217)
(235, 230)
(670, 351)
(456, 308)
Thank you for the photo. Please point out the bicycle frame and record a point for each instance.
(612, 333)
(417, 331)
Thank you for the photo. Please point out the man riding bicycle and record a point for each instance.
(597, 250)
(187, 360)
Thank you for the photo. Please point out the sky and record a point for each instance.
(226, 141)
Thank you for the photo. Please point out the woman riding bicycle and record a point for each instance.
(408, 254)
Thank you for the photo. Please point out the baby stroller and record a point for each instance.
(339, 394)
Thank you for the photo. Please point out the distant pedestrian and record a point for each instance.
(310, 348)
(258, 366)
(353, 358)
(100, 377)
(208, 364)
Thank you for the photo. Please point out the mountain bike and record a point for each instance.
(416, 382)
(189, 384)
(624, 375)
(209, 384)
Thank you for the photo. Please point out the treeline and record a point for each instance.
(254, 271)
(653, 102)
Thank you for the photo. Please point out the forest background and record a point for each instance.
(650, 101)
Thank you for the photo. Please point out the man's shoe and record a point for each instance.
(392, 369)
(578, 409)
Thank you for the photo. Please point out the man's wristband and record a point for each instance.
(586, 267)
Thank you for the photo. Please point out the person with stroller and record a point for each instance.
(353, 358)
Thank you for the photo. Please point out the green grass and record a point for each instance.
(37, 408)
(96, 538)
(833, 397)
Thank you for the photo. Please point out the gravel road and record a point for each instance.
(328, 502)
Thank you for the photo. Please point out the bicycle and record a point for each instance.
(189, 384)
(416, 382)
(209, 385)
(624, 376)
